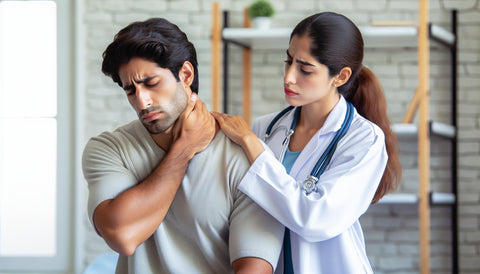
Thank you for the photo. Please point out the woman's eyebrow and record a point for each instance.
(299, 61)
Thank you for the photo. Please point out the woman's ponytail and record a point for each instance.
(370, 102)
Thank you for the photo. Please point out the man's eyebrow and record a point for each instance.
(299, 61)
(144, 80)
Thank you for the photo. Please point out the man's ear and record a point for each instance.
(186, 74)
(343, 76)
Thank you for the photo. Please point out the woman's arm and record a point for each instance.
(345, 189)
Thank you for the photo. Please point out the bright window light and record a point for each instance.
(28, 128)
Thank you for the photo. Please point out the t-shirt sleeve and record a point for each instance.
(104, 171)
(253, 232)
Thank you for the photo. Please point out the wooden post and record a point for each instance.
(423, 138)
(247, 73)
(215, 51)
(412, 108)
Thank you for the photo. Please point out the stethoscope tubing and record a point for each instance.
(324, 160)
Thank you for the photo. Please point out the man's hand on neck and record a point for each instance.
(195, 128)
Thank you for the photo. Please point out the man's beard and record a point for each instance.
(158, 125)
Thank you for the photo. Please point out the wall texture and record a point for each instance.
(391, 230)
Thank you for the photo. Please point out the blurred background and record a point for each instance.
(54, 97)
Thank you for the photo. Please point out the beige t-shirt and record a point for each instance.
(210, 223)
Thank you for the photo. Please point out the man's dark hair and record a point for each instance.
(155, 39)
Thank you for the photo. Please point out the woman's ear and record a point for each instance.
(186, 74)
(343, 76)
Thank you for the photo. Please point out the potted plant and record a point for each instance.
(261, 11)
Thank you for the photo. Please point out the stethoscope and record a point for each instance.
(310, 184)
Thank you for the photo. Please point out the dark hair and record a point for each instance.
(155, 39)
(337, 43)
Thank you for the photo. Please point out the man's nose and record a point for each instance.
(144, 98)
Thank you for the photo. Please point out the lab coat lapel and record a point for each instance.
(276, 139)
(316, 146)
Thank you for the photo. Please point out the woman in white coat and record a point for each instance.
(330, 160)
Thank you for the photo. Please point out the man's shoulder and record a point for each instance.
(121, 134)
(222, 156)
(222, 144)
(129, 128)
(127, 140)
(125, 148)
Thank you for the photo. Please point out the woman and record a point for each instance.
(324, 76)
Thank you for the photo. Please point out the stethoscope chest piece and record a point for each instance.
(310, 184)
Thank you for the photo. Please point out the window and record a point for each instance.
(35, 170)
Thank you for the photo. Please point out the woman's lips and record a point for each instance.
(290, 92)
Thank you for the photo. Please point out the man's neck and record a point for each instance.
(164, 139)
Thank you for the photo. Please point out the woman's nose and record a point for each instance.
(289, 77)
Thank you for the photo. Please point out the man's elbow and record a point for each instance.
(119, 241)
(119, 237)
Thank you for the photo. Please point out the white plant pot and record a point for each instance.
(262, 22)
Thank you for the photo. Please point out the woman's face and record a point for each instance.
(306, 80)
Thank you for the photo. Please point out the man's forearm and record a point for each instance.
(133, 216)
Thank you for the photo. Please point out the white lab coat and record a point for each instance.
(326, 236)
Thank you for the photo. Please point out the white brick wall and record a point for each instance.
(391, 231)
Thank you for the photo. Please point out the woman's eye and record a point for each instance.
(305, 72)
(288, 62)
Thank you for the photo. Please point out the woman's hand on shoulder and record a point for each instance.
(237, 129)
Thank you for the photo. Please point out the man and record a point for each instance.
(159, 215)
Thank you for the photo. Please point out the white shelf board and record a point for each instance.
(442, 34)
(443, 198)
(389, 36)
(275, 38)
(405, 130)
(399, 198)
(443, 130)
(411, 130)
(374, 36)
(437, 198)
